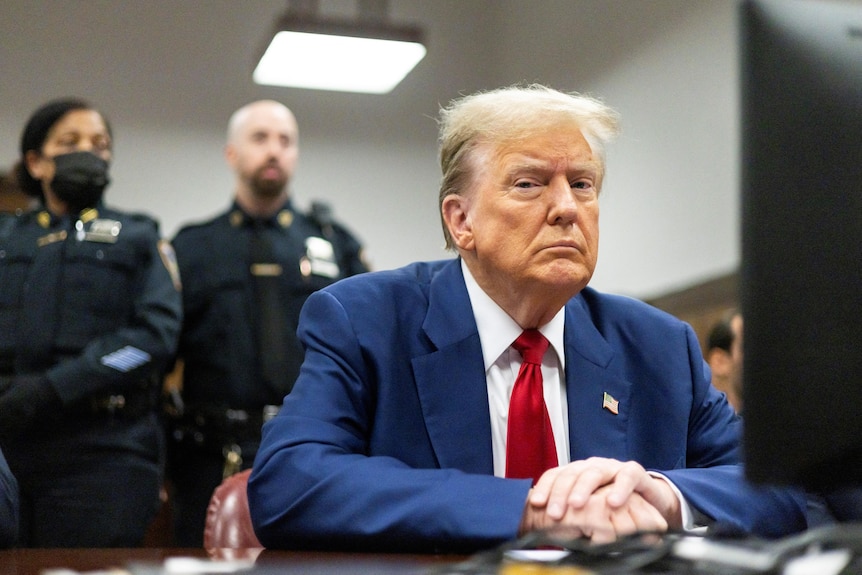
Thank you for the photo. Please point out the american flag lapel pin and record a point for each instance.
(611, 404)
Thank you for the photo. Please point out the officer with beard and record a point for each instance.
(246, 274)
(90, 313)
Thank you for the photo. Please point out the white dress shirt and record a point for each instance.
(497, 332)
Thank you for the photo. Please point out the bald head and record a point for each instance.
(262, 150)
(240, 119)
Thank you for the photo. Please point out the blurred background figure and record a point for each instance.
(724, 355)
(90, 312)
(246, 274)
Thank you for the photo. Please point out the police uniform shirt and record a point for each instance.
(218, 343)
(92, 300)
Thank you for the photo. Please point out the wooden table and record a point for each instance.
(148, 561)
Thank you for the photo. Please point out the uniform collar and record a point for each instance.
(281, 219)
(48, 220)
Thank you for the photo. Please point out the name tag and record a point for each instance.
(321, 257)
(103, 230)
(266, 270)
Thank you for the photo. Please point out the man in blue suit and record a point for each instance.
(396, 435)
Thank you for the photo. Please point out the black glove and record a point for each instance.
(22, 403)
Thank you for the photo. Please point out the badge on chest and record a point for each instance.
(101, 230)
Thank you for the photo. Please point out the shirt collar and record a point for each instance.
(497, 329)
(281, 219)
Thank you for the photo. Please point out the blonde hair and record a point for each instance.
(509, 115)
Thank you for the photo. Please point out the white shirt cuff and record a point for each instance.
(689, 524)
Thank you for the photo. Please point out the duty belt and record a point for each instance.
(217, 426)
(129, 404)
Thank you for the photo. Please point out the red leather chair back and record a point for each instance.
(228, 522)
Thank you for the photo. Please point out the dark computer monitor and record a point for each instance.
(801, 271)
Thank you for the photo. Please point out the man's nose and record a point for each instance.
(274, 146)
(564, 206)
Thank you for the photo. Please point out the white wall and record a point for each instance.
(169, 74)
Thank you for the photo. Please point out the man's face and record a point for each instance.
(264, 149)
(531, 216)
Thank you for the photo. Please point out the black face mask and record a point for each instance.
(80, 178)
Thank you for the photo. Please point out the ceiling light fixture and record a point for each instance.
(367, 55)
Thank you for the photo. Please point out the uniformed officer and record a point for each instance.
(246, 274)
(90, 313)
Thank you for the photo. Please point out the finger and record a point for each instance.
(542, 489)
(630, 477)
(658, 492)
(558, 487)
(636, 516)
(645, 516)
(624, 521)
(572, 485)
(588, 482)
(557, 480)
(595, 519)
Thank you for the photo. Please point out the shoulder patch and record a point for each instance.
(169, 259)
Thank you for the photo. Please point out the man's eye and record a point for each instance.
(524, 185)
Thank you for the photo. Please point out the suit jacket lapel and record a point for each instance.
(451, 378)
(594, 429)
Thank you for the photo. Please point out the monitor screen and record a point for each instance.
(801, 271)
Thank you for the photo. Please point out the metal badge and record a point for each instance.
(321, 257)
(104, 231)
(285, 218)
(44, 219)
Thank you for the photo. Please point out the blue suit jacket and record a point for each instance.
(385, 441)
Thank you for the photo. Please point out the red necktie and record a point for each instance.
(530, 449)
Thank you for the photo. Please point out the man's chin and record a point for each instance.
(269, 189)
(567, 277)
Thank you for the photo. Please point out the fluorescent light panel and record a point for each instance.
(336, 62)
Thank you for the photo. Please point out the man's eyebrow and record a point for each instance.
(527, 164)
(536, 165)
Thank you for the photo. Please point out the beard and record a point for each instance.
(268, 187)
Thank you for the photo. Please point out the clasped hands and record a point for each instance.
(601, 499)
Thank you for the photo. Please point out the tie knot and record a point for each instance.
(531, 344)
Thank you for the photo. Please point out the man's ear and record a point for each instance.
(456, 215)
(230, 156)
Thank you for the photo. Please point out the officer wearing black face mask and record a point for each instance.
(80, 179)
(90, 313)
